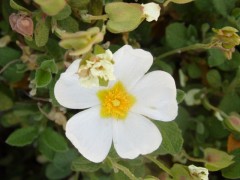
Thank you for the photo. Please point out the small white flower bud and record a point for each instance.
(151, 11)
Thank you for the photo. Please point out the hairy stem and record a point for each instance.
(192, 158)
(183, 49)
(125, 170)
(207, 104)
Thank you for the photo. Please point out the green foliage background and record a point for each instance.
(33, 145)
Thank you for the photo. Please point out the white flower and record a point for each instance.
(99, 66)
(118, 113)
(151, 11)
(198, 172)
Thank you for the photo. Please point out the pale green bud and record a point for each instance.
(81, 42)
(51, 7)
(123, 17)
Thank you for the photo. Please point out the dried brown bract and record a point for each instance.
(22, 24)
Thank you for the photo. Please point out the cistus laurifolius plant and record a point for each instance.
(114, 89)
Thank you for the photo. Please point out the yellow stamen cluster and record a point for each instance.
(115, 102)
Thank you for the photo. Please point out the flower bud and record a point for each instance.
(123, 17)
(233, 122)
(21, 24)
(151, 11)
(226, 39)
(51, 7)
(81, 42)
(216, 159)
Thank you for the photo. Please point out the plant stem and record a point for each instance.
(9, 64)
(183, 49)
(159, 164)
(207, 104)
(125, 170)
(192, 158)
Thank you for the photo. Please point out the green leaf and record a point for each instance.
(230, 103)
(203, 5)
(6, 102)
(216, 57)
(220, 7)
(95, 7)
(22, 137)
(49, 65)
(64, 159)
(216, 159)
(54, 49)
(45, 149)
(172, 138)
(54, 172)
(69, 24)
(84, 165)
(180, 172)
(64, 13)
(14, 5)
(42, 78)
(61, 164)
(232, 171)
(194, 71)
(21, 113)
(176, 35)
(183, 119)
(54, 140)
(11, 74)
(180, 95)
(200, 128)
(214, 78)
(232, 64)
(8, 54)
(192, 33)
(164, 66)
(123, 17)
(41, 33)
(9, 119)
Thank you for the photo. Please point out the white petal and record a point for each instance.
(134, 136)
(151, 11)
(131, 64)
(155, 96)
(73, 68)
(90, 134)
(69, 92)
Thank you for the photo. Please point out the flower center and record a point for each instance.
(115, 102)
